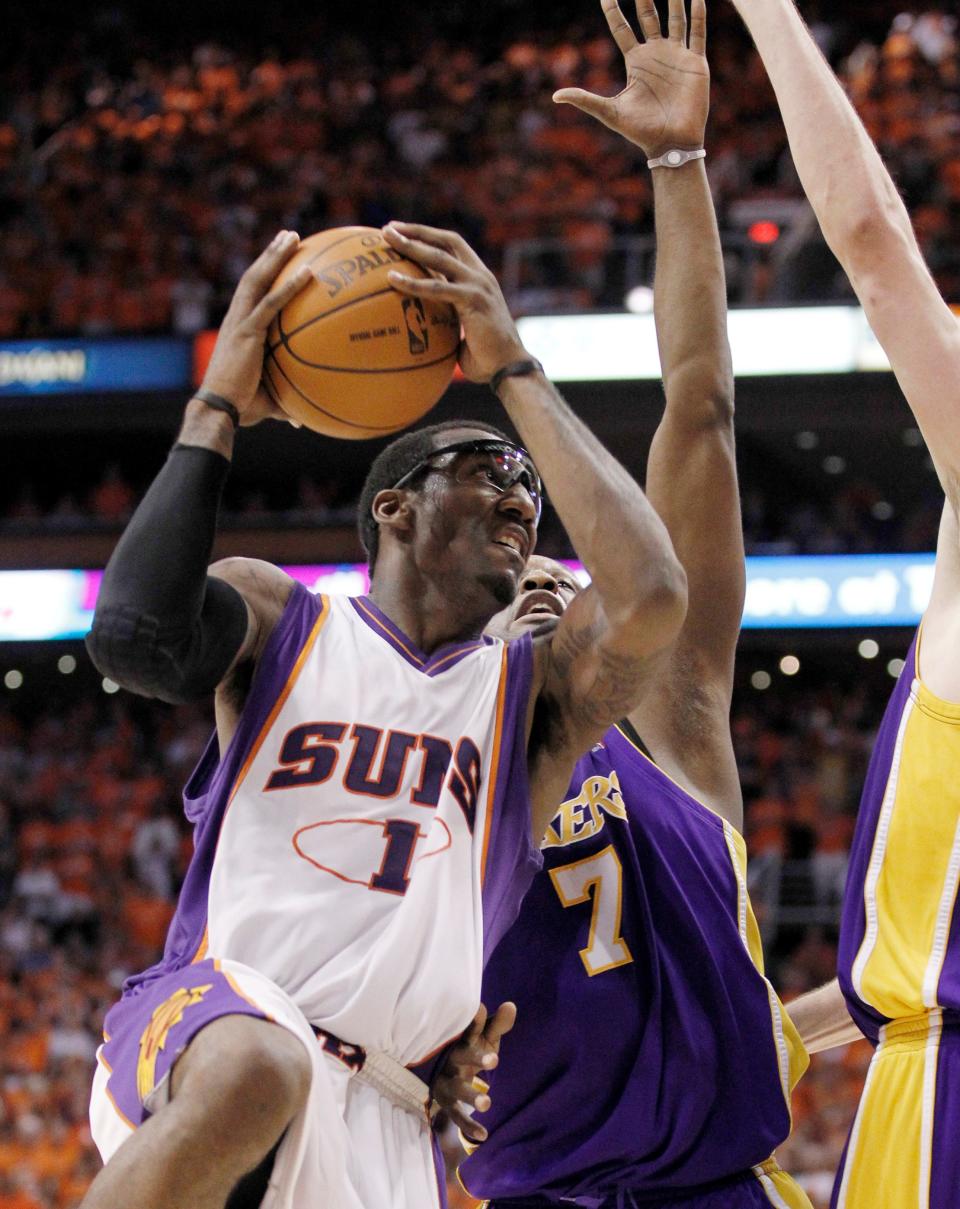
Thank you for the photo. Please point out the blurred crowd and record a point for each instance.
(134, 189)
(855, 517)
(93, 847)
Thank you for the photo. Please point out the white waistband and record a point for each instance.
(395, 1083)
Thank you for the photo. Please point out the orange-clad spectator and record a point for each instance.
(13, 1197)
(146, 918)
(25, 1049)
(54, 1153)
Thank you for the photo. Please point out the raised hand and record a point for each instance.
(667, 97)
(237, 360)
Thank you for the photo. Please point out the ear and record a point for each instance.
(393, 510)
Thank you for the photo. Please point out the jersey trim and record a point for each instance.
(931, 1056)
(631, 737)
(282, 696)
(440, 660)
(110, 1096)
(872, 880)
(941, 932)
(494, 766)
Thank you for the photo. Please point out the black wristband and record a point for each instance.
(218, 403)
(516, 369)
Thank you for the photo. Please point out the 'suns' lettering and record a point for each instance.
(376, 763)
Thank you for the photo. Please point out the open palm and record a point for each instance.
(667, 97)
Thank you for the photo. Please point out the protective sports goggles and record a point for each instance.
(501, 463)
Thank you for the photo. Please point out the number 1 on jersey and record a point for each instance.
(599, 877)
(393, 875)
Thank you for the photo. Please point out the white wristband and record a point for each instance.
(676, 158)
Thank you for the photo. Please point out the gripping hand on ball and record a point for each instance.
(237, 360)
(459, 276)
(667, 97)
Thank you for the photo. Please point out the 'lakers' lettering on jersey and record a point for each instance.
(365, 838)
(899, 945)
(650, 1052)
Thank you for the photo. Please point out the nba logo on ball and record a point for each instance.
(417, 332)
(349, 356)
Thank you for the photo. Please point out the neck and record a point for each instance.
(430, 611)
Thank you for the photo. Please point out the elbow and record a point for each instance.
(879, 228)
(123, 645)
(702, 394)
(660, 607)
(668, 602)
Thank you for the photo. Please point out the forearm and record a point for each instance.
(161, 627)
(848, 186)
(690, 298)
(615, 531)
(691, 467)
(822, 1019)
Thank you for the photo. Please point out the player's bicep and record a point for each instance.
(265, 590)
(921, 337)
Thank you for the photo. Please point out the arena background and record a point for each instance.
(146, 154)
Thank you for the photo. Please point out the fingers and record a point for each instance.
(471, 1092)
(601, 108)
(477, 1025)
(277, 299)
(426, 287)
(649, 20)
(698, 26)
(472, 1130)
(500, 1023)
(447, 241)
(427, 255)
(623, 35)
(677, 21)
(271, 260)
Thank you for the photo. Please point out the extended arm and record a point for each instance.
(691, 472)
(822, 1019)
(592, 671)
(163, 627)
(867, 226)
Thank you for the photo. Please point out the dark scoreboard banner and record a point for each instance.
(77, 366)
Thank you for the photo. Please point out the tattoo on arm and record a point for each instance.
(612, 691)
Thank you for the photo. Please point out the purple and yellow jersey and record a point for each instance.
(900, 936)
(650, 1053)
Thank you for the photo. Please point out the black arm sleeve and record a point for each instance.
(163, 627)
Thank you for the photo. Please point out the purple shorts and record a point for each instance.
(147, 1031)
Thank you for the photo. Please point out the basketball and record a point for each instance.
(349, 356)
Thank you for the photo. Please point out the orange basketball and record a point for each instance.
(349, 356)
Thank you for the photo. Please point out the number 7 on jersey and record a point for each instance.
(600, 878)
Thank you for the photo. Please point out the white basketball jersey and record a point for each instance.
(366, 838)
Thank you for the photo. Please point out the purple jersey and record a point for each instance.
(650, 1052)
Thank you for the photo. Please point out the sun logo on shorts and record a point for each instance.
(154, 1038)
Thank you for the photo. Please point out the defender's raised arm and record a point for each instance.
(691, 471)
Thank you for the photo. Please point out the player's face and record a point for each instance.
(480, 527)
(546, 588)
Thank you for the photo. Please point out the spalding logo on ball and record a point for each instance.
(349, 356)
